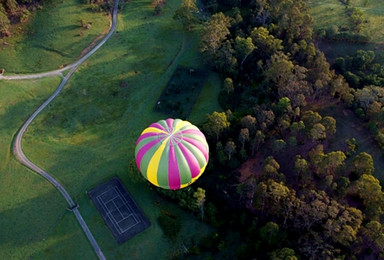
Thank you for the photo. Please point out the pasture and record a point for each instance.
(88, 134)
(53, 37)
(328, 13)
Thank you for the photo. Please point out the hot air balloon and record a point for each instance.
(171, 153)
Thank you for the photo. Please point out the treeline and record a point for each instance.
(300, 197)
(353, 32)
(15, 11)
(99, 5)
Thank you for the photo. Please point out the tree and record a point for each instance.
(283, 254)
(228, 86)
(249, 122)
(283, 105)
(280, 70)
(216, 123)
(317, 132)
(373, 109)
(301, 166)
(243, 137)
(312, 210)
(271, 166)
(310, 118)
(372, 238)
(220, 153)
(339, 87)
(368, 189)
(279, 145)
(257, 141)
(330, 125)
(363, 163)
(199, 195)
(230, 148)
(4, 23)
(12, 6)
(187, 13)
(213, 35)
(243, 47)
(362, 59)
(343, 223)
(270, 234)
(266, 42)
(276, 199)
(296, 127)
(333, 161)
(265, 118)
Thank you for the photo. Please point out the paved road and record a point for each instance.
(17, 147)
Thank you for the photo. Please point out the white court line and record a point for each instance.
(112, 219)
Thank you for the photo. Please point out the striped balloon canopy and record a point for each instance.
(171, 153)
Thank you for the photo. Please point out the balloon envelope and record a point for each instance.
(171, 153)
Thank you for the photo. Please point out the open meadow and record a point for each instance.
(331, 15)
(54, 37)
(87, 135)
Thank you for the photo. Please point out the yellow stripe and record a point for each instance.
(193, 179)
(154, 163)
(180, 125)
(153, 130)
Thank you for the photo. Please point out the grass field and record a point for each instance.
(88, 134)
(25, 197)
(53, 37)
(327, 13)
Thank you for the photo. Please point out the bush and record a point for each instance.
(170, 225)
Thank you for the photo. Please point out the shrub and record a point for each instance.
(170, 225)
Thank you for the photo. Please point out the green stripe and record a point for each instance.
(185, 172)
(162, 172)
(144, 142)
(147, 157)
(196, 152)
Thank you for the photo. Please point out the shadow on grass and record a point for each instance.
(32, 220)
(40, 46)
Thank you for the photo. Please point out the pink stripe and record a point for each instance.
(146, 135)
(143, 151)
(159, 126)
(193, 164)
(170, 123)
(173, 170)
(199, 146)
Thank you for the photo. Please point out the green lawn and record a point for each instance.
(53, 37)
(327, 13)
(88, 134)
(29, 206)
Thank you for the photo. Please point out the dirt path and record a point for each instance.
(17, 148)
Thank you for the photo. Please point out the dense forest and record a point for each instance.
(278, 185)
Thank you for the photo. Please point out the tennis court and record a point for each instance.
(120, 212)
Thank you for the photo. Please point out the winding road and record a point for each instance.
(17, 147)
